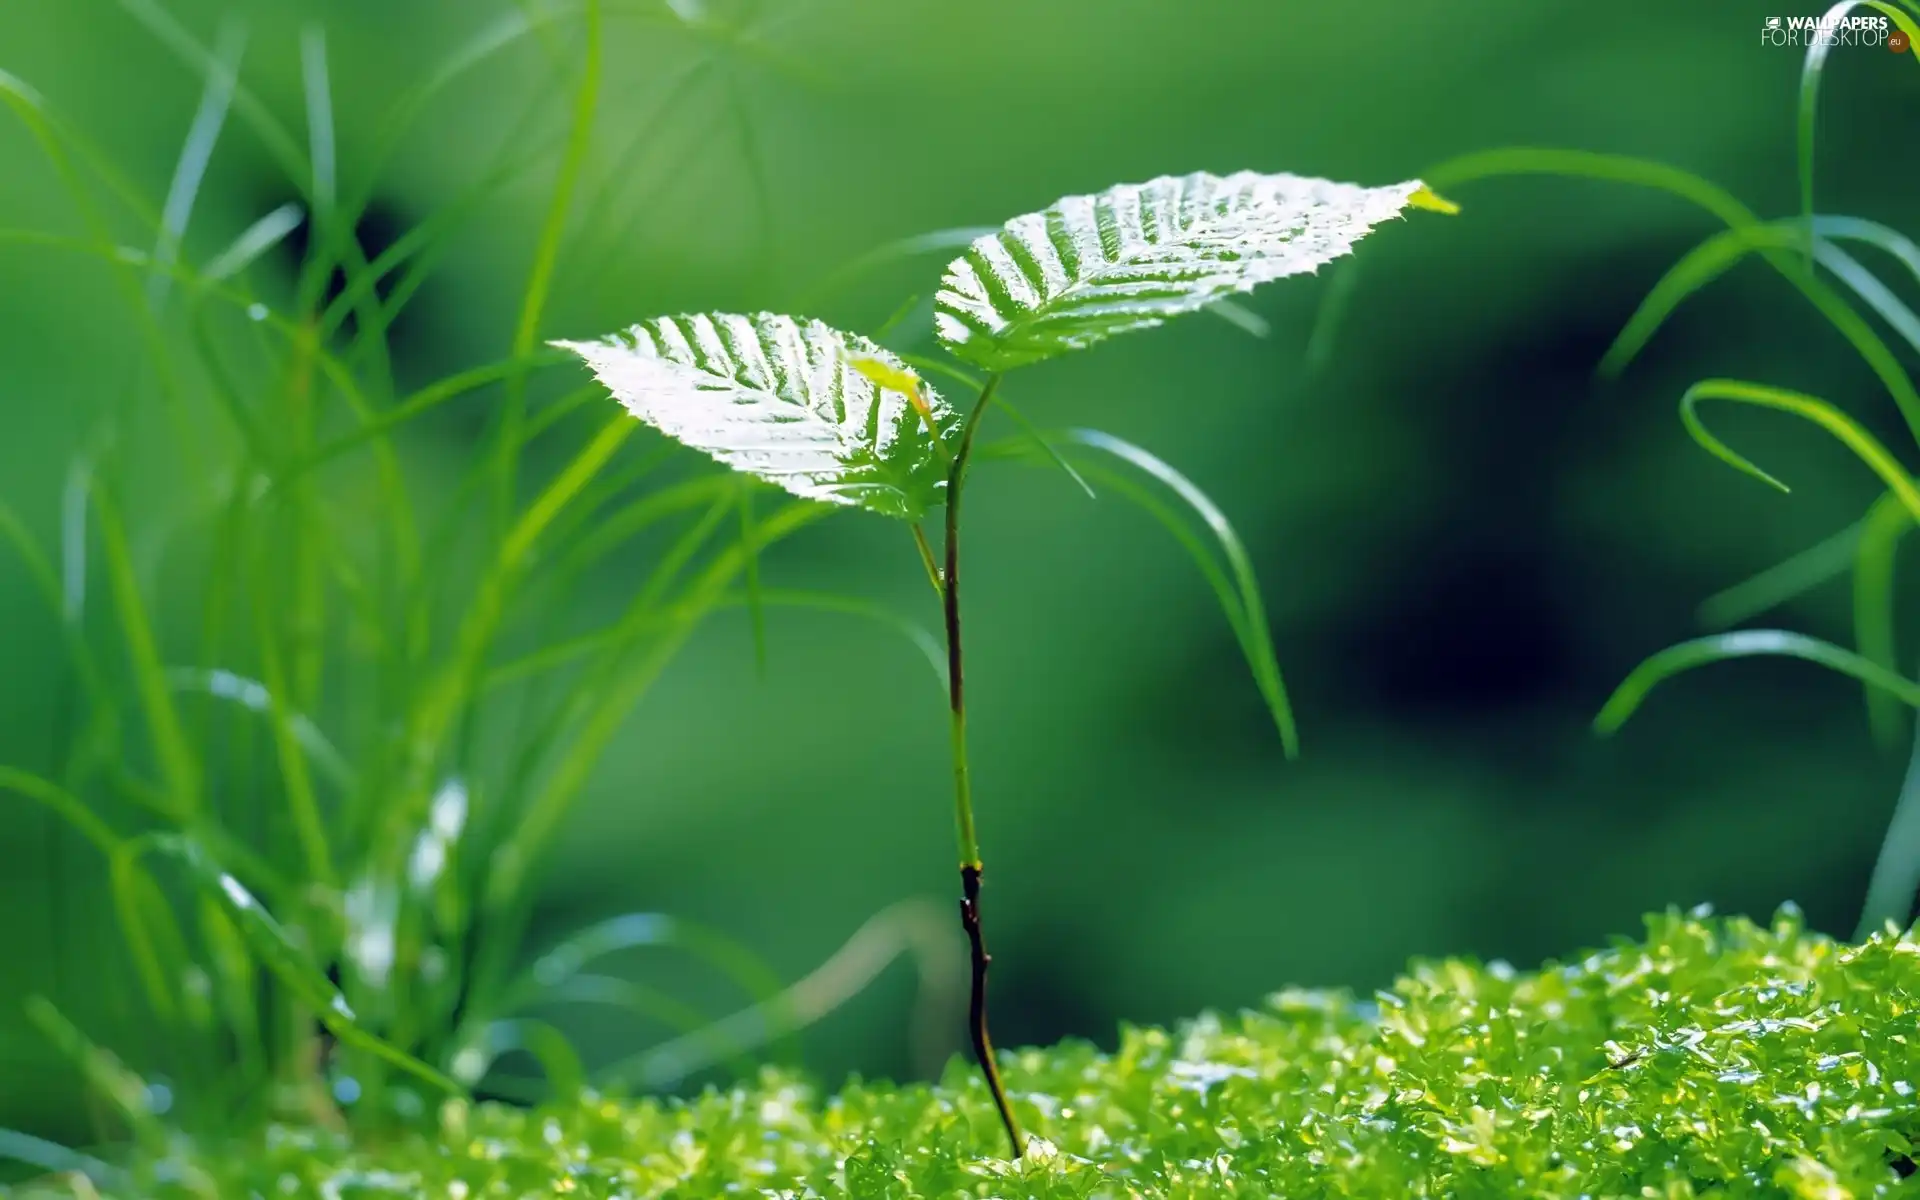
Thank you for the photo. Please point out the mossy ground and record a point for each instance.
(1712, 1058)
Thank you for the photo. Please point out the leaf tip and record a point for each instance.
(891, 376)
(1426, 198)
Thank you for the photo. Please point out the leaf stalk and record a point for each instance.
(970, 864)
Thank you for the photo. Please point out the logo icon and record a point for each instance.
(1773, 23)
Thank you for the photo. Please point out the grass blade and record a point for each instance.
(1744, 643)
(258, 238)
(526, 334)
(1876, 295)
(1873, 608)
(297, 781)
(756, 607)
(650, 1004)
(1342, 282)
(126, 1091)
(1033, 432)
(921, 637)
(177, 764)
(1812, 69)
(1857, 229)
(254, 696)
(839, 279)
(191, 168)
(600, 704)
(1848, 431)
(1725, 249)
(559, 1062)
(56, 1159)
(638, 931)
(1239, 595)
(274, 136)
(63, 804)
(1695, 270)
(1728, 210)
(321, 151)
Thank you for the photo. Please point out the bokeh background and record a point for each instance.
(1465, 539)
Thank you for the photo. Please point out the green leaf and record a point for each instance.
(788, 401)
(1090, 267)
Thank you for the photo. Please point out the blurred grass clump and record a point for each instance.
(325, 780)
(1710, 1057)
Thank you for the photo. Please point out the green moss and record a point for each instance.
(1713, 1058)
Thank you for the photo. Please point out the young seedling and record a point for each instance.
(831, 416)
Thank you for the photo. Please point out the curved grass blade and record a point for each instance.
(1090, 267)
(1858, 229)
(1719, 253)
(61, 601)
(597, 708)
(1876, 295)
(1695, 270)
(252, 695)
(1717, 201)
(191, 167)
(756, 606)
(654, 1005)
(455, 688)
(258, 238)
(635, 931)
(1032, 431)
(533, 300)
(418, 403)
(63, 804)
(921, 638)
(126, 1091)
(1343, 280)
(280, 144)
(559, 1061)
(55, 1159)
(1873, 608)
(617, 528)
(1812, 69)
(1864, 445)
(1744, 643)
(1045, 446)
(1239, 595)
(177, 762)
(837, 280)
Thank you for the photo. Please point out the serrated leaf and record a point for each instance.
(1128, 258)
(795, 403)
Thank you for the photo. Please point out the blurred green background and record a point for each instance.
(1464, 539)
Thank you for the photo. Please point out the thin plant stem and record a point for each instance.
(970, 864)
